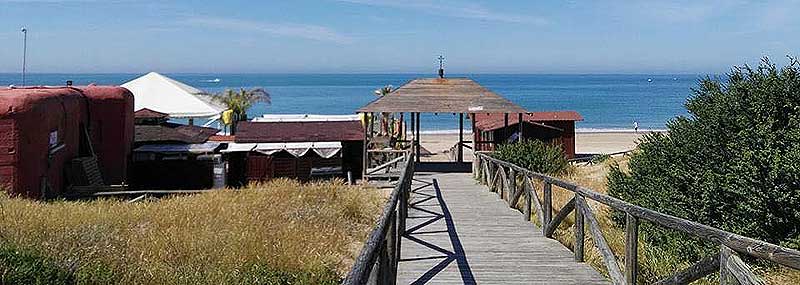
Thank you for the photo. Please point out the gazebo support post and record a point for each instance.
(402, 132)
(505, 126)
(520, 127)
(418, 139)
(474, 134)
(365, 153)
(371, 124)
(413, 129)
(460, 137)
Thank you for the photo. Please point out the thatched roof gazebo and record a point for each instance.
(442, 95)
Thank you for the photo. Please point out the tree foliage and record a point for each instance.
(733, 163)
(241, 101)
(534, 155)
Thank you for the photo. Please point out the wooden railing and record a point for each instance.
(502, 176)
(377, 261)
(383, 160)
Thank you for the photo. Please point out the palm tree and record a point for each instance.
(240, 102)
(386, 118)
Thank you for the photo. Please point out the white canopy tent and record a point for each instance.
(166, 95)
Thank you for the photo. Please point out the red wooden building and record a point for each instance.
(47, 131)
(173, 156)
(300, 149)
(552, 127)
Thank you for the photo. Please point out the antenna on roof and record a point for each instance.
(24, 51)
(441, 66)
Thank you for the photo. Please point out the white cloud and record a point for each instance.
(456, 10)
(311, 32)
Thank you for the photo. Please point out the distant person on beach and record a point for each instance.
(635, 127)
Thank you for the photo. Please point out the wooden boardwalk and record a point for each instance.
(460, 233)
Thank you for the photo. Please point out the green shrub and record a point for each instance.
(534, 155)
(600, 158)
(734, 163)
(25, 267)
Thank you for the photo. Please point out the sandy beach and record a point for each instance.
(585, 143)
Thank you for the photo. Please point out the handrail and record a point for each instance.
(377, 261)
(489, 170)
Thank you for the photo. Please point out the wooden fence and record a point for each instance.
(505, 178)
(377, 261)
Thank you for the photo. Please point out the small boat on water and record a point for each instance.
(215, 80)
(649, 80)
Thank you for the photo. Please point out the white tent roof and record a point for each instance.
(163, 94)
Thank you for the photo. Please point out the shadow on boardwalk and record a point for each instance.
(426, 202)
(458, 232)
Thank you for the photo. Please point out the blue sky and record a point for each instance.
(354, 36)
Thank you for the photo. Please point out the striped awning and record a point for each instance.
(297, 149)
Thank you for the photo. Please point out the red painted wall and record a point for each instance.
(111, 129)
(29, 115)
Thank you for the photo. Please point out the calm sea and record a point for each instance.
(607, 102)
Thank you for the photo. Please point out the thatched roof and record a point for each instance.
(448, 95)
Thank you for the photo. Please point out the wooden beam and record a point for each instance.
(551, 227)
(402, 135)
(702, 268)
(536, 203)
(505, 127)
(474, 134)
(528, 193)
(520, 127)
(418, 140)
(580, 236)
(601, 244)
(365, 152)
(733, 270)
(631, 249)
(548, 204)
(385, 165)
(512, 188)
(460, 137)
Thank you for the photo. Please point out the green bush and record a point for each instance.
(534, 155)
(733, 163)
(24, 267)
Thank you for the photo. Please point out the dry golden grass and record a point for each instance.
(212, 238)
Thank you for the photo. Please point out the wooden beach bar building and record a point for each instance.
(296, 146)
(557, 128)
(461, 96)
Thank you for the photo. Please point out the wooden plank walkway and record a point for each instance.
(460, 233)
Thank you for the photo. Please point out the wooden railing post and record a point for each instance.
(512, 186)
(579, 228)
(384, 265)
(548, 204)
(528, 197)
(631, 248)
(725, 277)
(732, 270)
(391, 250)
